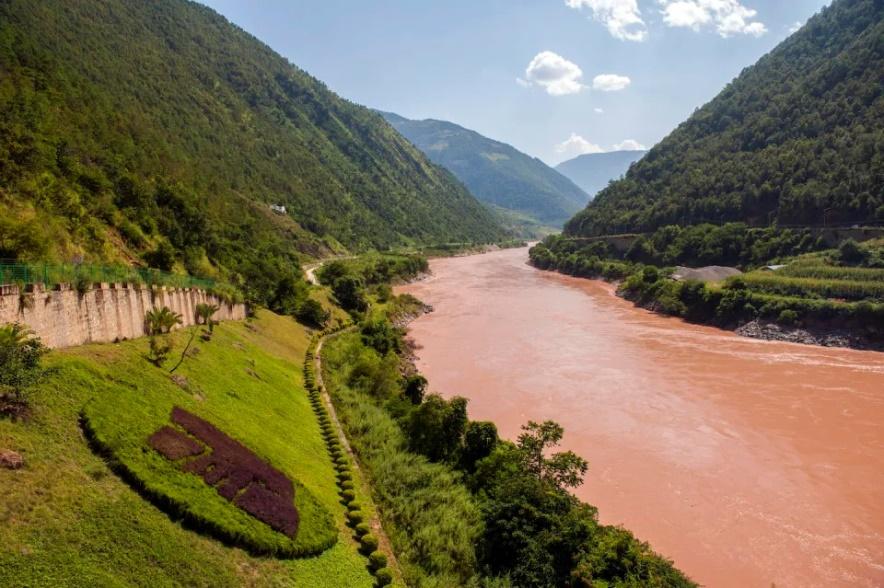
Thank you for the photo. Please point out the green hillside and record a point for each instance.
(797, 138)
(68, 520)
(497, 174)
(160, 133)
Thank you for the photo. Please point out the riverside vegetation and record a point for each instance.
(821, 289)
(461, 506)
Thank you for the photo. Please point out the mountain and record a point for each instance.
(593, 171)
(797, 138)
(518, 185)
(159, 131)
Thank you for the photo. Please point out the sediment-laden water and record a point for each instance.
(748, 462)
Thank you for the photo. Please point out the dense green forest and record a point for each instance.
(526, 191)
(158, 133)
(797, 138)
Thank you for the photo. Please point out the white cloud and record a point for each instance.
(795, 26)
(598, 110)
(610, 82)
(629, 145)
(730, 17)
(577, 145)
(622, 18)
(554, 73)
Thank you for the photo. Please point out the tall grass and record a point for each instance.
(430, 517)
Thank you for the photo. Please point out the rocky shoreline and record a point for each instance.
(824, 336)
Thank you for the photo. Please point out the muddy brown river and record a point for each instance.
(749, 463)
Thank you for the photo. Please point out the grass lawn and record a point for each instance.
(67, 520)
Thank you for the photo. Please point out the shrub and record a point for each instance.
(369, 543)
(362, 529)
(787, 317)
(377, 560)
(354, 505)
(383, 576)
(311, 313)
(355, 517)
(348, 495)
(20, 370)
(347, 485)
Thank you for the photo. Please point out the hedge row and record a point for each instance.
(356, 518)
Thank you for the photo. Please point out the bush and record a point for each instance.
(377, 560)
(355, 517)
(311, 313)
(347, 485)
(383, 576)
(20, 370)
(369, 543)
(788, 317)
(348, 495)
(362, 529)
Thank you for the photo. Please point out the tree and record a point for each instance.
(204, 313)
(479, 441)
(313, 314)
(159, 323)
(350, 293)
(436, 428)
(415, 387)
(564, 469)
(20, 370)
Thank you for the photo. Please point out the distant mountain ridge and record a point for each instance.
(797, 138)
(496, 173)
(594, 171)
(160, 132)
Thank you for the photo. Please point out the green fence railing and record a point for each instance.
(48, 274)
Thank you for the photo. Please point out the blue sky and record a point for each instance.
(554, 78)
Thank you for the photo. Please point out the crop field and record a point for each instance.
(127, 515)
(813, 287)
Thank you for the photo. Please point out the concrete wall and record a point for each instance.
(62, 317)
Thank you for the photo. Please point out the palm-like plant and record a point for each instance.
(204, 314)
(20, 353)
(161, 320)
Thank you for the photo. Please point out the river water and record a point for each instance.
(749, 463)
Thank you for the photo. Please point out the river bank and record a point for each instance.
(748, 462)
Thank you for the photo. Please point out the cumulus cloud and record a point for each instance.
(622, 18)
(729, 17)
(610, 82)
(554, 73)
(629, 145)
(577, 145)
(598, 110)
(795, 26)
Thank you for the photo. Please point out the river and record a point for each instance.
(748, 462)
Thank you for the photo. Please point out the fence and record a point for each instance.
(15, 272)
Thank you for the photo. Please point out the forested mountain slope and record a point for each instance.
(159, 131)
(797, 138)
(593, 171)
(496, 173)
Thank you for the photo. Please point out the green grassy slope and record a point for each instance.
(132, 128)
(798, 137)
(495, 172)
(66, 520)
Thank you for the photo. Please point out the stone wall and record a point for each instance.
(63, 317)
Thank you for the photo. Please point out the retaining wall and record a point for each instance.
(63, 317)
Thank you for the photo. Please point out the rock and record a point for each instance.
(11, 460)
(180, 381)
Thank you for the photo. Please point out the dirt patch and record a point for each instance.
(11, 460)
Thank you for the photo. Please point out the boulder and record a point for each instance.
(11, 460)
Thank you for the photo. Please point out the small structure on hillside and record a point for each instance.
(710, 273)
(773, 268)
(277, 208)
